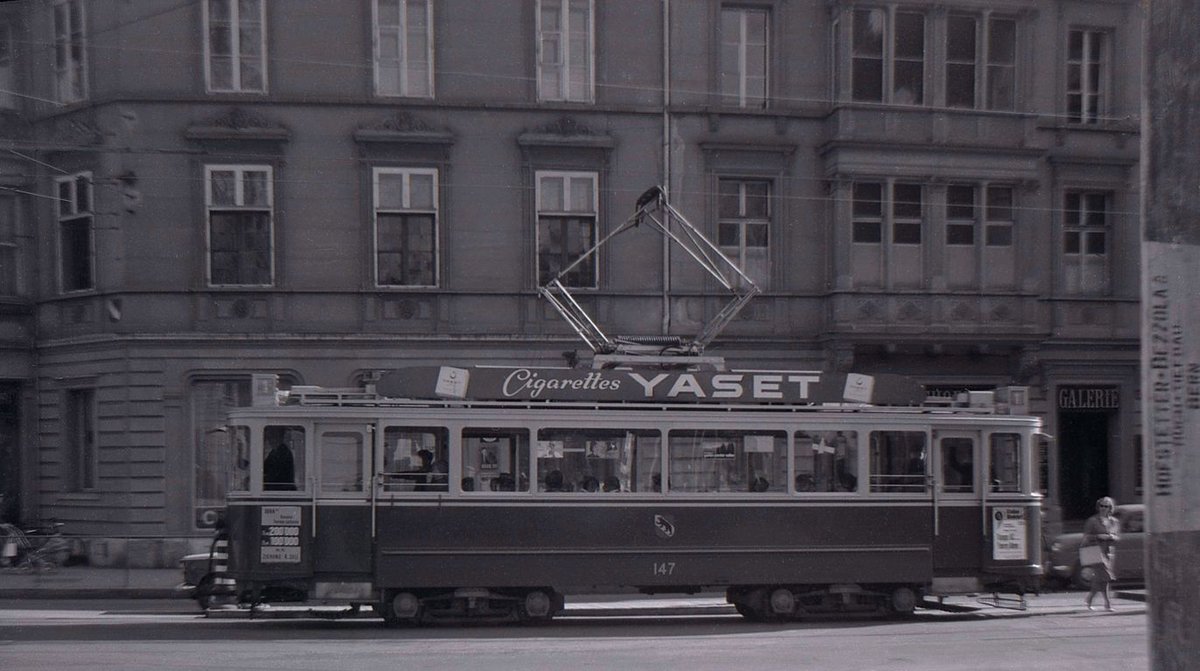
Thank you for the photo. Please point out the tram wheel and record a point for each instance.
(782, 602)
(401, 608)
(536, 607)
(903, 601)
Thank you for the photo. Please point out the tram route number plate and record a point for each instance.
(280, 542)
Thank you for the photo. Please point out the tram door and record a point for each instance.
(958, 520)
(341, 511)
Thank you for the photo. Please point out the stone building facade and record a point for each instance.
(194, 192)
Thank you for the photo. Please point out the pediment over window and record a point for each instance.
(238, 124)
(565, 132)
(403, 127)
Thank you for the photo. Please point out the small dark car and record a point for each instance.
(1063, 559)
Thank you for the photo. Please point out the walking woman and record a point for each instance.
(1101, 531)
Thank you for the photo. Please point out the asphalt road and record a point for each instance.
(166, 634)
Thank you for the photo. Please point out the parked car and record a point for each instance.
(1063, 563)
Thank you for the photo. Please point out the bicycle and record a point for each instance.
(39, 548)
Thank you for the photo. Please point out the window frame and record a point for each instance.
(984, 67)
(1102, 80)
(888, 56)
(1084, 233)
(235, 56)
(743, 222)
(566, 52)
(10, 250)
(70, 73)
(81, 439)
(8, 74)
(406, 194)
(403, 87)
(740, 69)
(75, 216)
(566, 214)
(239, 171)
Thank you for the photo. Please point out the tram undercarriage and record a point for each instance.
(777, 603)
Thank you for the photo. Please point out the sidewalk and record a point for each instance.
(82, 582)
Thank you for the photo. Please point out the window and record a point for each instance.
(867, 212)
(283, 468)
(404, 48)
(406, 216)
(240, 230)
(744, 54)
(564, 50)
(566, 226)
(1085, 240)
(495, 460)
(607, 461)
(235, 46)
(888, 56)
(8, 247)
(1087, 74)
(898, 461)
(744, 211)
(1006, 462)
(962, 215)
(70, 52)
(967, 84)
(905, 204)
(222, 457)
(75, 233)
(416, 458)
(826, 461)
(727, 461)
(958, 465)
(8, 80)
(341, 457)
(907, 212)
(79, 428)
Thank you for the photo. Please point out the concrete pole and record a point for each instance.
(1171, 329)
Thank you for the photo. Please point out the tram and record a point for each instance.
(450, 493)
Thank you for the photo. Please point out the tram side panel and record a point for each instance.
(651, 546)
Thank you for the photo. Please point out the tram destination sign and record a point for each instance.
(648, 386)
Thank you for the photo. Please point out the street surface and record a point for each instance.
(170, 634)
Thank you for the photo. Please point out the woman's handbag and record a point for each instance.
(1090, 554)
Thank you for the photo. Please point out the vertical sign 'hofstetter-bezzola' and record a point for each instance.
(1171, 330)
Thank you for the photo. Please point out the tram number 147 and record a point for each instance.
(664, 568)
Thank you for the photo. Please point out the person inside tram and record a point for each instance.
(589, 484)
(656, 482)
(759, 484)
(554, 481)
(437, 479)
(279, 469)
(611, 484)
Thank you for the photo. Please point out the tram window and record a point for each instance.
(1006, 462)
(897, 461)
(416, 458)
(283, 460)
(495, 460)
(341, 457)
(239, 467)
(603, 460)
(826, 461)
(727, 461)
(958, 465)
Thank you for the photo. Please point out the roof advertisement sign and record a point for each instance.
(648, 385)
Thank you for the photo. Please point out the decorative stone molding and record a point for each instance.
(565, 132)
(403, 127)
(238, 124)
